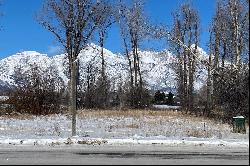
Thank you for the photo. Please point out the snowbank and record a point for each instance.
(130, 141)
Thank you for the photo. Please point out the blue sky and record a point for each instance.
(20, 31)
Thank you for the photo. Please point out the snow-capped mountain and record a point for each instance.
(157, 67)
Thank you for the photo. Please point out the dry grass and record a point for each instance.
(16, 115)
(132, 126)
(129, 113)
(126, 113)
(138, 114)
(199, 133)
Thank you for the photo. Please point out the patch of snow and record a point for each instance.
(3, 98)
(79, 140)
(241, 117)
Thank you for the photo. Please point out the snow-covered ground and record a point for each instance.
(119, 127)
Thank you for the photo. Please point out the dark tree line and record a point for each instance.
(162, 98)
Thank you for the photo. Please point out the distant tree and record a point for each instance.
(91, 86)
(159, 97)
(170, 98)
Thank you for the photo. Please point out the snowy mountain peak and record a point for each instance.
(29, 53)
(157, 67)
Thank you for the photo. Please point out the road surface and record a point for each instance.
(123, 155)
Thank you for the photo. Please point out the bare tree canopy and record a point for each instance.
(71, 21)
(231, 32)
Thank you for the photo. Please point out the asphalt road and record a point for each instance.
(123, 155)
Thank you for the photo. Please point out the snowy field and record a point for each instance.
(119, 127)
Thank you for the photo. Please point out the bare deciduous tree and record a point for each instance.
(186, 32)
(134, 28)
(229, 42)
(230, 30)
(73, 23)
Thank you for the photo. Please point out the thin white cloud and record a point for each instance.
(54, 50)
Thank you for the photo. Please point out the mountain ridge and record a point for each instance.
(157, 67)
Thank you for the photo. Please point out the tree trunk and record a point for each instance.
(224, 54)
(185, 84)
(217, 54)
(209, 81)
(130, 64)
(190, 74)
(102, 54)
(135, 67)
(138, 66)
(140, 76)
(130, 71)
(209, 88)
(73, 85)
(104, 92)
(234, 10)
